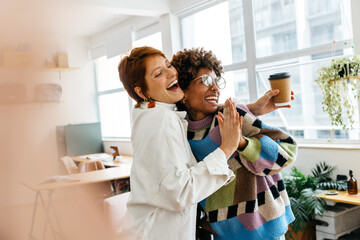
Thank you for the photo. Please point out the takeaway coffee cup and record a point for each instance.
(281, 81)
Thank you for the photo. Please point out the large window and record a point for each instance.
(114, 103)
(219, 29)
(254, 39)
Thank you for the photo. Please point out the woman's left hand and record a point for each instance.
(266, 104)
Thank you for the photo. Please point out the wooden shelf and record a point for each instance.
(24, 60)
(57, 69)
(29, 102)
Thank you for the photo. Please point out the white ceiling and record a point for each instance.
(81, 20)
(75, 17)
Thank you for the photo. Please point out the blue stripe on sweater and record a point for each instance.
(202, 148)
(269, 149)
(232, 229)
(265, 126)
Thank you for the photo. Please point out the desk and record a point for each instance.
(103, 175)
(342, 197)
(120, 172)
(93, 157)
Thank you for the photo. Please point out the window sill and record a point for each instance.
(319, 145)
(337, 146)
(116, 139)
(314, 145)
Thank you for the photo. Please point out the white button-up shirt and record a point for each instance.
(166, 180)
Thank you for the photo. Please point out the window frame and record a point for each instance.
(107, 92)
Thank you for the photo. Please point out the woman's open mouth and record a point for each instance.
(212, 99)
(173, 86)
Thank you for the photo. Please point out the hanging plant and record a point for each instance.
(340, 86)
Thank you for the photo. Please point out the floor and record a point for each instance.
(355, 235)
(79, 214)
(15, 222)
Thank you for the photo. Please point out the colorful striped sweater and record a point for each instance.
(255, 205)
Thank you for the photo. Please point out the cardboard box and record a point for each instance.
(62, 60)
(17, 58)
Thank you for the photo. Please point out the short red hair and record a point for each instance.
(132, 71)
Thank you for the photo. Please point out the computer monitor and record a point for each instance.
(81, 139)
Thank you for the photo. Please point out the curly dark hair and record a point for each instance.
(188, 63)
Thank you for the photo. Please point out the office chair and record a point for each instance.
(70, 165)
(72, 168)
(102, 190)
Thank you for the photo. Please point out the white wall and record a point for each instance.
(168, 25)
(343, 159)
(181, 5)
(123, 146)
(28, 138)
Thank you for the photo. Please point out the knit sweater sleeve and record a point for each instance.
(269, 149)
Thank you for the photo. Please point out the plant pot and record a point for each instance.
(308, 233)
(346, 70)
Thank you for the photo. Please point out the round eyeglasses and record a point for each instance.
(208, 81)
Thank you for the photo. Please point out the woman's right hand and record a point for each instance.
(266, 104)
(230, 124)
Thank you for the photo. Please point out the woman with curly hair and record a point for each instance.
(255, 205)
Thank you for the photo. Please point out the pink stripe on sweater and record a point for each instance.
(199, 124)
(276, 177)
(251, 220)
(259, 165)
(263, 183)
(214, 134)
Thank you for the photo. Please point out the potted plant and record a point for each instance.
(340, 86)
(304, 204)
